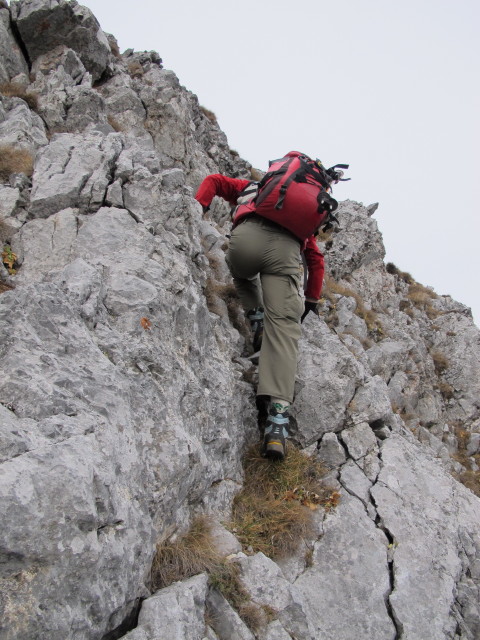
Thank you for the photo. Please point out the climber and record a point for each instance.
(264, 260)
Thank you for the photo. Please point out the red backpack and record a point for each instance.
(294, 194)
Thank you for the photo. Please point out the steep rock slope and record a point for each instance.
(126, 404)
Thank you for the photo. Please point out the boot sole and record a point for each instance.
(274, 451)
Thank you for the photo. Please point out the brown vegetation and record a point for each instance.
(440, 362)
(256, 175)
(12, 89)
(9, 259)
(135, 69)
(273, 512)
(209, 115)
(216, 292)
(332, 288)
(471, 476)
(195, 553)
(403, 275)
(192, 554)
(4, 287)
(13, 160)
(114, 123)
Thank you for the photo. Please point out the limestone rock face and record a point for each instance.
(12, 62)
(127, 401)
(73, 171)
(45, 24)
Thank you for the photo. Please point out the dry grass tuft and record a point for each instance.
(216, 291)
(209, 115)
(403, 275)
(14, 160)
(225, 577)
(256, 175)
(114, 48)
(195, 553)
(446, 390)
(11, 89)
(273, 512)
(115, 124)
(471, 476)
(421, 297)
(4, 287)
(440, 362)
(324, 236)
(9, 259)
(332, 288)
(191, 554)
(135, 69)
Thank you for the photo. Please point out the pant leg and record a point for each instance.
(243, 259)
(283, 306)
(257, 247)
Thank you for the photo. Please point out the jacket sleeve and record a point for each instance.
(316, 269)
(219, 185)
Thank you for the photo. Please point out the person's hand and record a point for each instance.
(310, 305)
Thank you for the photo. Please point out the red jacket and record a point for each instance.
(229, 189)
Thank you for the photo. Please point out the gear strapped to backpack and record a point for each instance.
(293, 194)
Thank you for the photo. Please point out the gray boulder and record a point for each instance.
(73, 171)
(175, 612)
(46, 24)
(12, 62)
(434, 543)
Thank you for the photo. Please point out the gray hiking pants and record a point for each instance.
(264, 260)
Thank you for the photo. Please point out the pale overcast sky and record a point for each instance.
(392, 88)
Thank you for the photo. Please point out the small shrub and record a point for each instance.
(309, 557)
(253, 616)
(391, 268)
(215, 291)
(9, 259)
(209, 115)
(256, 175)
(324, 236)
(114, 123)
(11, 89)
(422, 297)
(114, 48)
(135, 69)
(333, 288)
(14, 160)
(446, 390)
(440, 362)
(195, 553)
(273, 512)
(469, 477)
(191, 554)
(4, 287)
(395, 271)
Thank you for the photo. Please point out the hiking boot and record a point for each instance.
(276, 432)
(255, 317)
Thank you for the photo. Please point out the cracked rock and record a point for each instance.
(73, 171)
(44, 25)
(353, 553)
(175, 612)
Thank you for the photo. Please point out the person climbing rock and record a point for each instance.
(264, 258)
